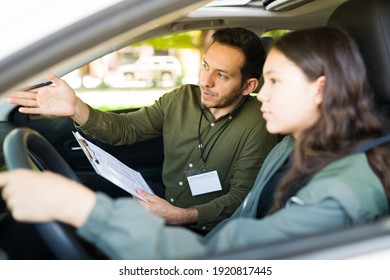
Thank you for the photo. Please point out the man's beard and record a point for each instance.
(226, 102)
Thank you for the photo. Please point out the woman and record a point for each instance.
(316, 92)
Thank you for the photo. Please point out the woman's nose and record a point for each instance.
(262, 96)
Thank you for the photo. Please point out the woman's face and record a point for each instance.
(290, 102)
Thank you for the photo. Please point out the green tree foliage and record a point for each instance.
(190, 40)
(276, 33)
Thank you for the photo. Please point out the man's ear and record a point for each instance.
(250, 86)
(320, 85)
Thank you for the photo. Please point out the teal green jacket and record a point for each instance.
(236, 147)
(344, 193)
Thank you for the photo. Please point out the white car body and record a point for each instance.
(153, 69)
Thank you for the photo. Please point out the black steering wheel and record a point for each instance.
(26, 148)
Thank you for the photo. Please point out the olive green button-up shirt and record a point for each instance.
(235, 145)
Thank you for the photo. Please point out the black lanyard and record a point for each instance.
(200, 144)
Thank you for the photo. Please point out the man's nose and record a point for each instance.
(207, 79)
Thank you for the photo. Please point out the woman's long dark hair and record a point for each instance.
(347, 114)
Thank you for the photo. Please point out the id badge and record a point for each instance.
(203, 181)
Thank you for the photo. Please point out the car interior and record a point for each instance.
(57, 150)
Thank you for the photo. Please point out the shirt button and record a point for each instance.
(191, 165)
(212, 124)
(172, 200)
(180, 183)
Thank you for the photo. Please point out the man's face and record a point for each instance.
(220, 77)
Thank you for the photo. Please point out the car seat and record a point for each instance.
(266, 41)
(370, 27)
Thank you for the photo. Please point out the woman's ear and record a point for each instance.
(320, 85)
(250, 86)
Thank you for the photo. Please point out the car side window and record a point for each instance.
(139, 74)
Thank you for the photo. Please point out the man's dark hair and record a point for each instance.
(251, 46)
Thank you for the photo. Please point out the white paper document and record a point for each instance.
(112, 169)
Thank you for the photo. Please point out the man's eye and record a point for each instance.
(222, 76)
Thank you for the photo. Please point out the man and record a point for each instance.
(213, 129)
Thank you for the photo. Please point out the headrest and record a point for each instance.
(368, 22)
(267, 41)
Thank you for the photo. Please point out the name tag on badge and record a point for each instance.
(203, 181)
